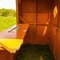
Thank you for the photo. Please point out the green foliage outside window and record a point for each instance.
(7, 12)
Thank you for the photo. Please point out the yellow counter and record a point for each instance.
(12, 45)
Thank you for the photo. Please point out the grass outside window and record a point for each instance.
(6, 22)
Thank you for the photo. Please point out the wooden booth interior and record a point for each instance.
(43, 19)
(44, 22)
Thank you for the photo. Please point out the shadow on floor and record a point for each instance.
(34, 52)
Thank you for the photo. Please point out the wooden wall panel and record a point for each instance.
(17, 11)
(28, 11)
(53, 38)
(59, 20)
(43, 5)
(42, 35)
(36, 35)
(58, 37)
(54, 42)
(59, 14)
(54, 31)
(28, 5)
(58, 45)
(43, 11)
(42, 18)
(54, 20)
(30, 35)
(29, 18)
(35, 12)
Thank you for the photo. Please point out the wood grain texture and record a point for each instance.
(5, 55)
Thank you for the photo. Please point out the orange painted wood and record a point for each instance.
(59, 16)
(28, 11)
(54, 42)
(30, 35)
(58, 45)
(29, 18)
(20, 33)
(35, 35)
(5, 55)
(53, 39)
(54, 20)
(55, 32)
(18, 2)
(28, 5)
(42, 18)
(59, 22)
(41, 37)
(43, 5)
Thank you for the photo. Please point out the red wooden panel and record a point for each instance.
(58, 45)
(42, 18)
(5, 55)
(54, 20)
(53, 38)
(59, 17)
(30, 35)
(59, 22)
(59, 14)
(43, 5)
(41, 35)
(28, 5)
(29, 18)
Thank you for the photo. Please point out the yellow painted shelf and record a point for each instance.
(12, 45)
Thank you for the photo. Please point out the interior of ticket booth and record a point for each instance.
(37, 29)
